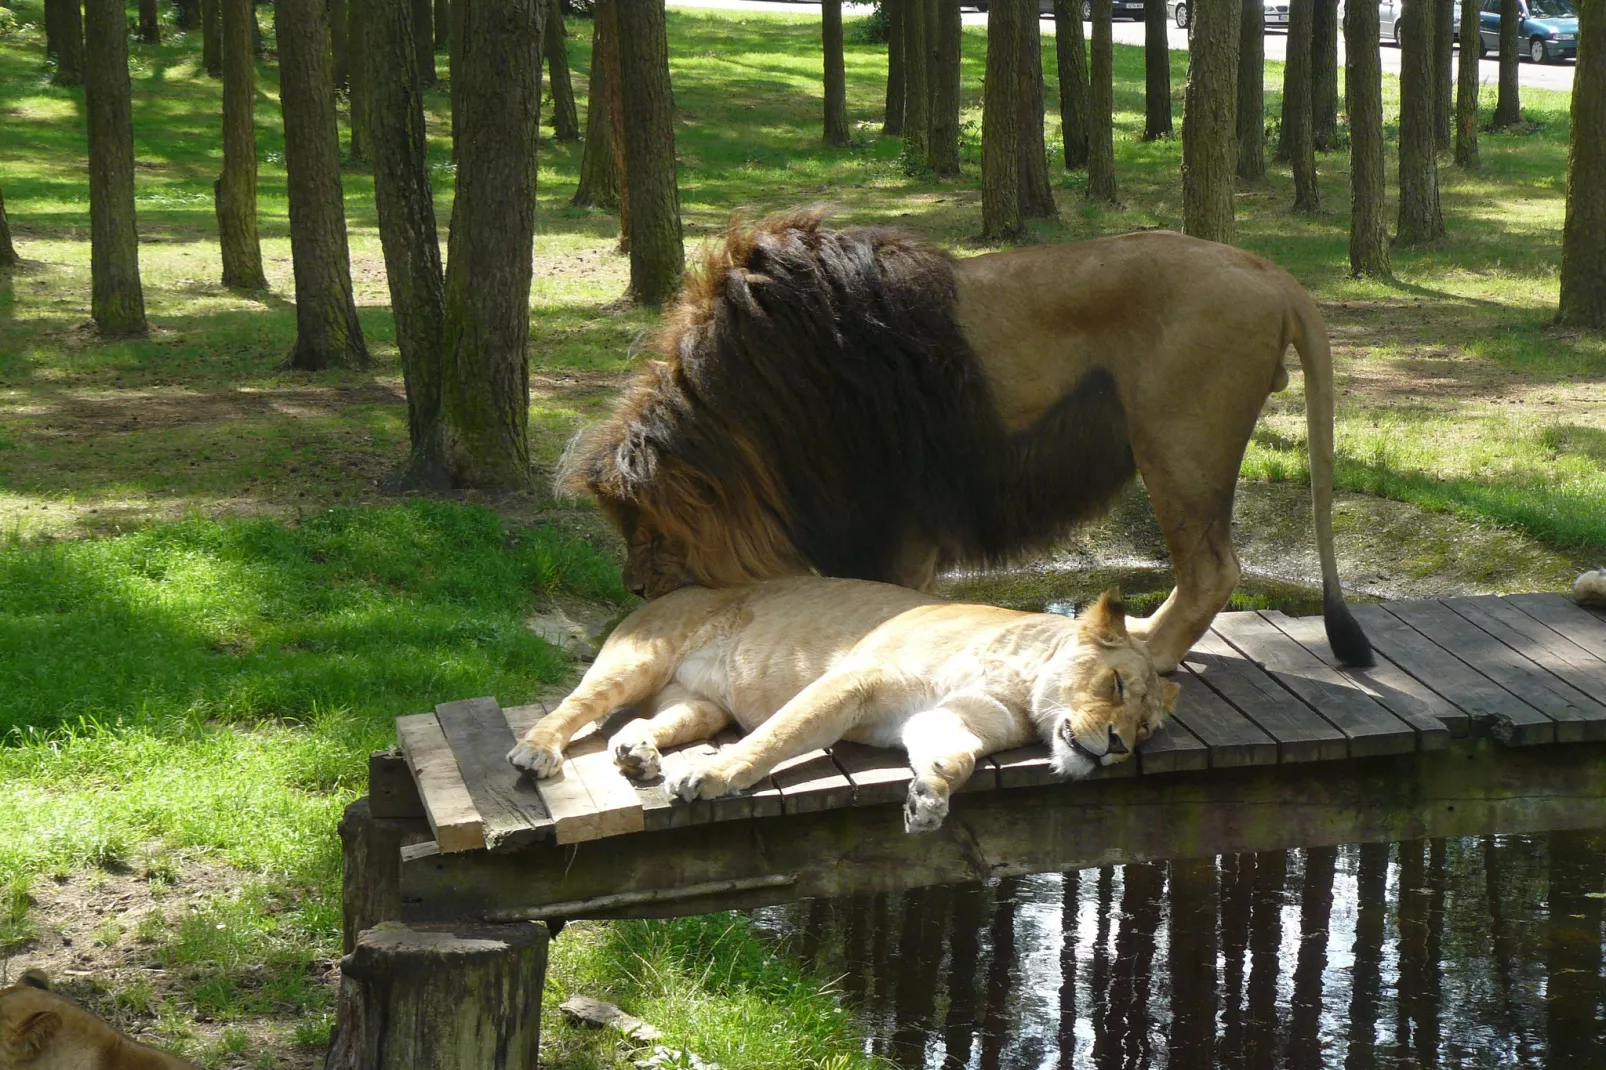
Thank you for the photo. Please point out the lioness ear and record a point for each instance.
(1105, 620)
(1169, 691)
(35, 979)
(27, 1040)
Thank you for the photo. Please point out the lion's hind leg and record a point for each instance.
(677, 716)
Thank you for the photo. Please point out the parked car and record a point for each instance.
(1119, 9)
(1276, 12)
(1546, 29)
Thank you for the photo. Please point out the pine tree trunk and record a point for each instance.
(916, 93)
(1324, 75)
(836, 86)
(1156, 71)
(53, 15)
(234, 194)
(1000, 125)
(1466, 100)
(945, 90)
(599, 179)
(423, 42)
(892, 125)
(1035, 190)
(1101, 109)
(554, 42)
(1420, 219)
(150, 27)
(1070, 51)
(1363, 102)
(485, 388)
(1252, 91)
(1209, 120)
(1583, 242)
(454, 66)
(1297, 108)
(8, 252)
(406, 207)
(327, 330)
(1508, 105)
(608, 15)
(657, 255)
(337, 44)
(356, 69)
(69, 44)
(187, 14)
(443, 24)
(117, 299)
(1444, 16)
(212, 37)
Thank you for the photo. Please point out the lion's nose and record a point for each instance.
(1116, 745)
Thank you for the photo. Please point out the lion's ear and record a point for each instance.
(28, 1040)
(1105, 620)
(1170, 690)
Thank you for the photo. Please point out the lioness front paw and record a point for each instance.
(925, 808)
(533, 756)
(635, 754)
(698, 781)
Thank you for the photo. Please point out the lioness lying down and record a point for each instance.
(40, 1030)
(803, 662)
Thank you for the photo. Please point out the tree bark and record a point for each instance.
(945, 90)
(69, 44)
(1252, 91)
(565, 116)
(485, 387)
(424, 43)
(150, 27)
(1000, 125)
(608, 13)
(234, 194)
(337, 44)
(1466, 100)
(1035, 190)
(916, 91)
(657, 255)
(1444, 16)
(443, 24)
(1156, 71)
(406, 207)
(1583, 242)
(1508, 104)
(1324, 75)
(356, 68)
(836, 85)
(212, 37)
(1071, 54)
(8, 252)
(186, 14)
(117, 299)
(1209, 119)
(1101, 109)
(53, 27)
(1297, 133)
(1420, 219)
(892, 125)
(327, 330)
(599, 178)
(1363, 101)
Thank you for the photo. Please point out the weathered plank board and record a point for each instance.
(1172, 749)
(447, 803)
(1232, 739)
(1584, 627)
(878, 774)
(392, 792)
(811, 782)
(589, 798)
(511, 811)
(1301, 734)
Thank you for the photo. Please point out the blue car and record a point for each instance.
(1547, 29)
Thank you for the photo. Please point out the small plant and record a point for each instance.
(108, 932)
(313, 1032)
(16, 927)
(873, 29)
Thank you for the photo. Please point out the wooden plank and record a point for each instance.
(1301, 734)
(1233, 740)
(1434, 720)
(1560, 613)
(1580, 673)
(1369, 728)
(1490, 707)
(392, 791)
(984, 778)
(879, 775)
(811, 782)
(511, 812)
(1172, 749)
(447, 803)
(1522, 679)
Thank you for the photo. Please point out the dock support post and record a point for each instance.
(370, 890)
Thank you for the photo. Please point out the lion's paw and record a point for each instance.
(692, 782)
(636, 755)
(925, 809)
(541, 759)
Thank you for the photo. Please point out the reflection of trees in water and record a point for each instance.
(1462, 953)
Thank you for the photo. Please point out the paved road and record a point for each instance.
(1542, 76)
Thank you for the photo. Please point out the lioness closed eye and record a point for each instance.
(801, 663)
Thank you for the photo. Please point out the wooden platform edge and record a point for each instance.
(447, 803)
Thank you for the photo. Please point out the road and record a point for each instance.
(1539, 76)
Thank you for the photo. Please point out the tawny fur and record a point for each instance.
(1590, 588)
(801, 663)
(40, 1030)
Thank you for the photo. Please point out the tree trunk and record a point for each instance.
(117, 300)
(1156, 71)
(565, 116)
(212, 37)
(892, 125)
(608, 14)
(441, 998)
(150, 27)
(1297, 108)
(657, 255)
(1324, 75)
(1209, 119)
(1252, 91)
(1508, 105)
(1420, 219)
(1071, 53)
(1035, 190)
(599, 178)
(8, 252)
(327, 330)
(406, 207)
(69, 44)
(186, 14)
(836, 86)
(1444, 15)
(1363, 102)
(485, 379)
(1000, 125)
(916, 93)
(443, 24)
(1466, 100)
(1583, 241)
(337, 43)
(945, 90)
(356, 68)
(1101, 109)
(234, 194)
(53, 26)
(424, 44)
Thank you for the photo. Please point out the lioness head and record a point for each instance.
(40, 1030)
(1102, 696)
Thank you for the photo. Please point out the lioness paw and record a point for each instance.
(692, 782)
(542, 759)
(925, 809)
(636, 756)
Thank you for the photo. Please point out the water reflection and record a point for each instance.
(1483, 952)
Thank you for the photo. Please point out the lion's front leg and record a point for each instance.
(944, 745)
(679, 716)
(620, 677)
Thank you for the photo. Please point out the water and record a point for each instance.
(1479, 952)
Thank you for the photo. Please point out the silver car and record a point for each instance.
(1276, 12)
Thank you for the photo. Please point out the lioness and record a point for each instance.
(801, 663)
(40, 1030)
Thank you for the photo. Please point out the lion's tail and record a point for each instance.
(1308, 333)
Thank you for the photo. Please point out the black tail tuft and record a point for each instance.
(1344, 634)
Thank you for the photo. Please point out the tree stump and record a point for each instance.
(462, 997)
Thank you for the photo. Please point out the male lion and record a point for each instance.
(859, 403)
(40, 1030)
(801, 663)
